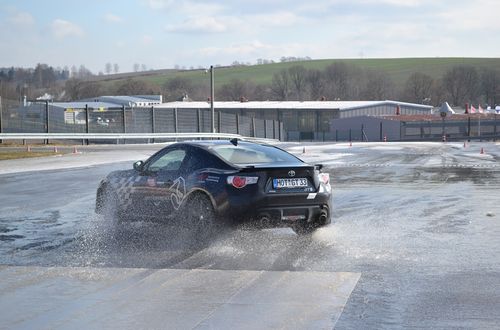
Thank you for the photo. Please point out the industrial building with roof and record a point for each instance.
(309, 120)
(290, 120)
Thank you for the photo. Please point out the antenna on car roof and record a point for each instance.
(234, 141)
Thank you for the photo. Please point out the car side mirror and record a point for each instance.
(318, 166)
(139, 165)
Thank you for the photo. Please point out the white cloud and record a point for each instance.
(186, 7)
(62, 29)
(112, 18)
(22, 18)
(159, 4)
(201, 24)
(147, 39)
(255, 49)
(283, 18)
(400, 3)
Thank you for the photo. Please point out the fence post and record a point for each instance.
(494, 128)
(253, 127)
(274, 129)
(350, 134)
(87, 121)
(124, 120)
(265, 129)
(1, 122)
(175, 120)
(198, 114)
(237, 124)
(219, 117)
(153, 122)
(47, 118)
(336, 135)
(468, 128)
(381, 131)
(362, 132)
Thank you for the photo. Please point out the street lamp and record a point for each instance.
(212, 112)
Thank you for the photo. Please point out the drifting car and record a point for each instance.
(207, 183)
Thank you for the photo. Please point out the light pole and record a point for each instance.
(212, 112)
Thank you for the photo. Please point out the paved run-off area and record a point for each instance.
(417, 223)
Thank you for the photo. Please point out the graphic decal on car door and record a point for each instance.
(178, 192)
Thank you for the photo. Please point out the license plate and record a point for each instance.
(289, 183)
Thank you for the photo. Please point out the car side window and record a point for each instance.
(170, 161)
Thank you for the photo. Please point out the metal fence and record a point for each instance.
(477, 127)
(44, 117)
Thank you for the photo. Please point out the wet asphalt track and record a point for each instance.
(420, 223)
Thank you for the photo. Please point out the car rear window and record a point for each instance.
(253, 154)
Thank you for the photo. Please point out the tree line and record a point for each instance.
(338, 81)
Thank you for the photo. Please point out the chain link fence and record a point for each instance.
(44, 117)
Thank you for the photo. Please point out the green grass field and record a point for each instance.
(399, 69)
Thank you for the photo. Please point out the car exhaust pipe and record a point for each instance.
(264, 219)
(323, 216)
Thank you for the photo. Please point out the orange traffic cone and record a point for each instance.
(465, 144)
(304, 150)
(55, 149)
(74, 150)
(482, 151)
(350, 143)
(385, 138)
(28, 148)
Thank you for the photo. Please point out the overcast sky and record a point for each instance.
(164, 33)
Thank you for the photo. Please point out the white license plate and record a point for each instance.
(289, 183)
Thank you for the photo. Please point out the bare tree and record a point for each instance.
(89, 89)
(418, 88)
(379, 86)
(116, 68)
(108, 68)
(235, 90)
(316, 83)
(490, 86)
(74, 71)
(298, 75)
(143, 67)
(77, 89)
(438, 93)
(178, 87)
(280, 85)
(462, 83)
(340, 81)
(136, 67)
(137, 87)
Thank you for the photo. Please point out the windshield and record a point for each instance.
(253, 154)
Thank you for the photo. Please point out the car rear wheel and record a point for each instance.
(200, 216)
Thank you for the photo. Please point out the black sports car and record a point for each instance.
(205, 182)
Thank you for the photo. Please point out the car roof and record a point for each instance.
(210, 143)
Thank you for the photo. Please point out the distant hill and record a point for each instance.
(399, 69)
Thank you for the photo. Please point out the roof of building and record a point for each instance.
(81, 105)
(340, 105)
(126, 99)
(437, 117)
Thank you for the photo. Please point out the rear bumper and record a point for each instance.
(276, 210)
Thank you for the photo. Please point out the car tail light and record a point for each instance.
(324, 177)
(241, 181)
